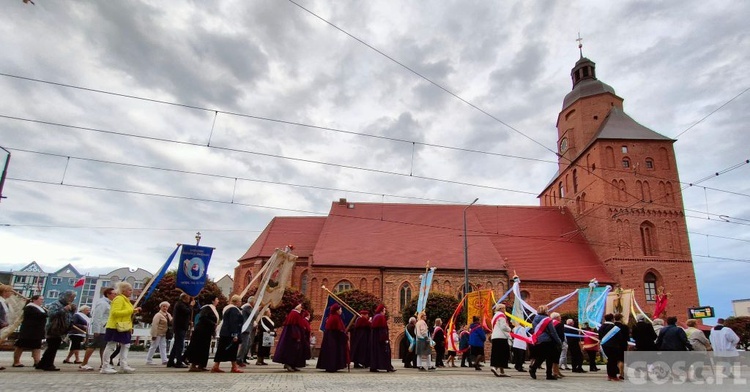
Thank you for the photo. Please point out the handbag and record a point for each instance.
(267, 339)
(123, 326)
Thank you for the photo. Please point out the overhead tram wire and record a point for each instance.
(712, 112)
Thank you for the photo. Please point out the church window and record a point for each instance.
(563, 144)
(583, 201)
(649, 164)
(585, 71)
(248, 277)
(561, 190)
(649, 286)
(625, 163)
(578, 204)
(647, 192)
(303, 282)
(670, 194)
(624, 149)
(639, 189)
(525, 295)
(342, 286)
(404, 297)
(593, 166)
(648, 238)
(575, 181)
(664, 157)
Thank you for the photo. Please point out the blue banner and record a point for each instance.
(591, 303)
(346, 315)
(191, 272)
(161, 273)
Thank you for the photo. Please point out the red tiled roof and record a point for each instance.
(301, 232)
(539, 243)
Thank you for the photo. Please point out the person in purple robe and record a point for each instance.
(380, 343)
(334, 350)
(360, 341)
(293, 344)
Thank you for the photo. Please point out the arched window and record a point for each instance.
(404, 296)
(623, 191)
(575, 181)
(649, 164)
(248, 277)
(525, 295)
(583, 201)
(609, 155)
(649, 286)
(303, 282)
(578, 205)
(363, 284)
(647, 192)
(639, 189)
(447, 286)
(376, 287)
(626, 163)
(648, 238)
(670, 193)
(561, 190)
(342, 286)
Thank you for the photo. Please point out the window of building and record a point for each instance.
(624, 149)
(107, 283)
(649, 286)
(55, 281)
(404, 296)
(342, 286)
(53, 294)
(525, 295)
(137, 285)
(625, 163)
(649, 164)
(575, 181)
(248, 277)
(71, 281)
(561, 190)
(303, 282)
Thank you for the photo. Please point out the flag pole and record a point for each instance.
(339, 300)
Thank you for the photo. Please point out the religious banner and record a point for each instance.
(191, 272)
(591, 302)
(274, 278)
(619, 301)
(347, 315)
(479, 303)
(16, 303)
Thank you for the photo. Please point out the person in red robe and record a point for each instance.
(334, 350)
(293, 341)
(360, 341)
(380, 343)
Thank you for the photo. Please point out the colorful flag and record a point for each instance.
(191, 273)
(80, 282)
(347, 316)
(591, 302)
(424, 289)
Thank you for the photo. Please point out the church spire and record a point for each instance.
(584, 68)
(580, 44)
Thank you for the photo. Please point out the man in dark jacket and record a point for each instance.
(672, 337)
(181, 319)
(612, 347)
(61, 310)
(644, 335)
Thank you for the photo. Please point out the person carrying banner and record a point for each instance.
(204, 331)
(5, 293)
(293, 344)
(229, 336)
(247, 339)
(181, 319)
(452, 346)
(423, 347)
(120, 328)
(380, 353)
(360, 340)
(546, 340)
(334, 349)
(264, 337)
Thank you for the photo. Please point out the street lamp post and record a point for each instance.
(466, 259)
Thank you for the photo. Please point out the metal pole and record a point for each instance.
(466, 263)
(5, 173)
(197, 238)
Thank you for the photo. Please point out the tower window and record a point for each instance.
(575, 181)
(561, 190)
(648, 238)
(649, 286)
(649, 164)
(625, 163)
(624, 149)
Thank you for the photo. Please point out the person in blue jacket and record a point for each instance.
(477, 337)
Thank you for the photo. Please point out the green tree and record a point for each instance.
(289, 300)
(740, 326)
(167, 291)
(360, 300)
(438, 305)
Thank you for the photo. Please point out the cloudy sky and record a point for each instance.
(135, 124)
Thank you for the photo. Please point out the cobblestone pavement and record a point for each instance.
(275, 378)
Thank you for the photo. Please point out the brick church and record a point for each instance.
(613, 211)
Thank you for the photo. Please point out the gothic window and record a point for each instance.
(303, 282)
(561, 190)
(670, 193)
(376, 287)
(583, 201)
(578, 204)
(649, 286)
(404, 295)
(342, 286)
(575, 181)
(624, 149)
(625, 163)
(248, 277)
(664, 158)
(649, 164)
(648, 238)
(588, 167)
(646, 192)
(639, 189)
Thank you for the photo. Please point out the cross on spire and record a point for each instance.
(580, 44)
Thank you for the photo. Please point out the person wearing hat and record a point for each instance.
(334, 349)
(380, 354)
(643, 334)
(360, 341)
(293, 344)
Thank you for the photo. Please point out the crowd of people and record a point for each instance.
(549, 342)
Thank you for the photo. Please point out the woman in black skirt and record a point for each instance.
(32, 331)
(266, 331)
(229, 336)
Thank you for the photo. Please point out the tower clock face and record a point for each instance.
(563, 144)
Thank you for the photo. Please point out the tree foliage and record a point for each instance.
(740, 326)
(438, 305)
(360, 300)
(167, 291)
(289, 300)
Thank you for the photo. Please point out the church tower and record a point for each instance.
(619, 180)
